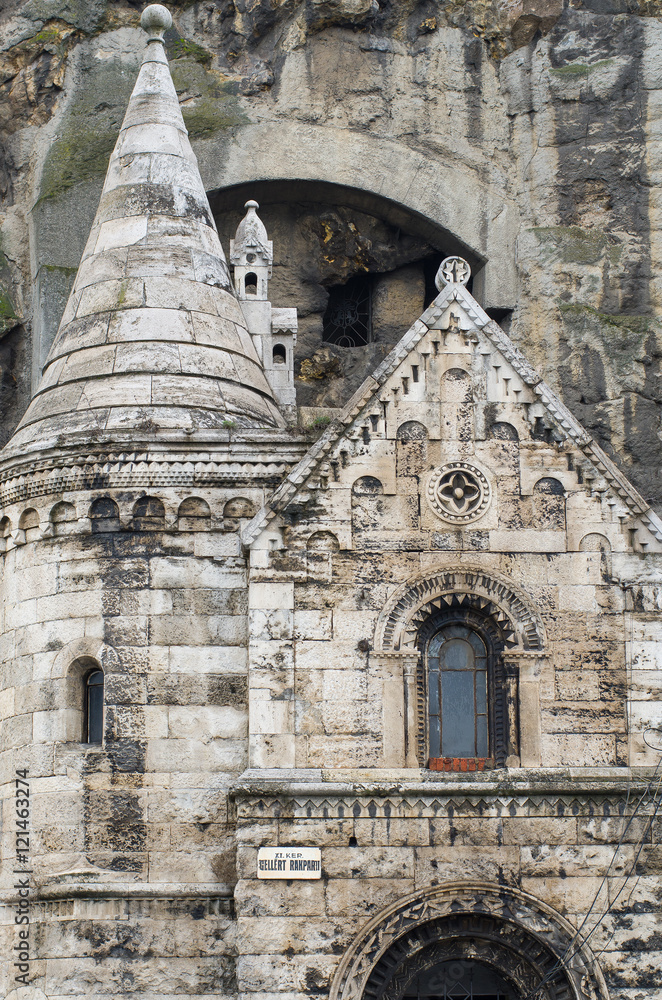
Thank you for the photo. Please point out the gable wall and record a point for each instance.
(322, 693)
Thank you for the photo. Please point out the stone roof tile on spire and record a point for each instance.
(153, 339)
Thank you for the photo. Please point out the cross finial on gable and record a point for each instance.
(452, 271)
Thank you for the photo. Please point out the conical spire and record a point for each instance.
(152, 341)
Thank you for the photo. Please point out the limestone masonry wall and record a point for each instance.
(398, 602)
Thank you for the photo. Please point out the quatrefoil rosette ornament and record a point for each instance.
(458, 492)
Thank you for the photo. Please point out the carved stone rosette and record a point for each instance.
(458, 493)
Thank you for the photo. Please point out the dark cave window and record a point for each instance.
(347, 321)
(250, 283)
(93, 724)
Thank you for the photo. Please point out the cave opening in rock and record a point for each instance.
(359, 268)
(347, 320)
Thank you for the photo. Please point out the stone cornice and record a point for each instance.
(228, 458)
(414, 783)
(52, 901)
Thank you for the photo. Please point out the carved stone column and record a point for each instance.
(409, 673)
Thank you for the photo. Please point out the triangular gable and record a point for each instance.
(454, 309)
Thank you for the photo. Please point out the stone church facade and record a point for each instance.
(419, 635)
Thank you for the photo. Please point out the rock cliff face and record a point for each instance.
(378, 135)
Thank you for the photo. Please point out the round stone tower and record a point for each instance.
(153, 435)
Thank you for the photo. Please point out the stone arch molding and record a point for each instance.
(84, 648)
(479, 216)
(526, 924)
(398, 624)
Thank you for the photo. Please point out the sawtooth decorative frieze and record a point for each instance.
(392, 804)
(140, 471)
(398, 624)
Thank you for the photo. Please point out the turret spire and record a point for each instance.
(153, 341)
(251, 254)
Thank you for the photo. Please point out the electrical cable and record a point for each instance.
(575, 942)
(652, 729)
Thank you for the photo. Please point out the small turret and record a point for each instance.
(251, 254)
(274, 331)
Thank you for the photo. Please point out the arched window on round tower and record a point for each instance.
(93, 701)
(104, 515)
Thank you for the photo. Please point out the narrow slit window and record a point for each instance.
(93, 707)
(458, 715)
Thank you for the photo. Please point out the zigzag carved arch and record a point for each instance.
(412, 604)
(526, 926)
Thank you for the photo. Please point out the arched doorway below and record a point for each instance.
(476, 941)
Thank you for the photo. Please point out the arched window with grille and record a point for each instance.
(457, 694)
(468, 688)
(93, 700)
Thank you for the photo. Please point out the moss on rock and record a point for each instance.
(574, 245)
(8, 317)
(87, 15)
(88, 131)
(580, 69)
(209, 100)
(621, 339)
(184, 48)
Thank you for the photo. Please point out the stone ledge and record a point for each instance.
(295, 782)
(125, 890)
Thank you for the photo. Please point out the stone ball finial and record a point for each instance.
(155, 20)
(251, 204)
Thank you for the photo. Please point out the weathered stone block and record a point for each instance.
(212, 659)
(312, 624)
(435, 865)
(346, 896)
(299, 898)
(266, 935)
(212, 721)
(368, 862)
